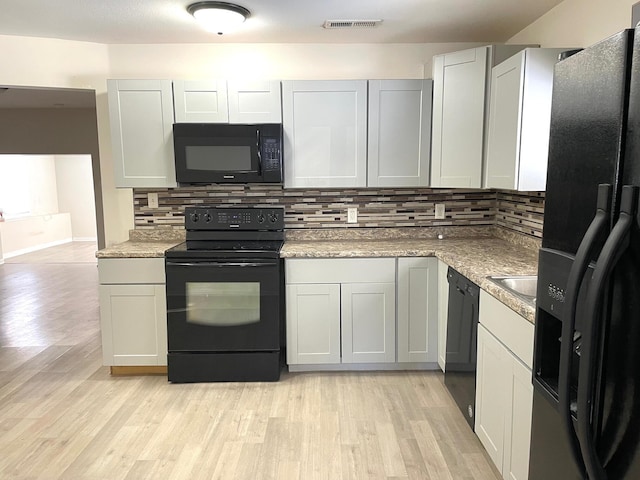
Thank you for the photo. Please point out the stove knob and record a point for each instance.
(260, 218)
(207, 217)
(195, 217)
(273, 217)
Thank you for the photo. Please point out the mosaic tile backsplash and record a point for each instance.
(521, 212)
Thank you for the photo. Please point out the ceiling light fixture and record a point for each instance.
(218, 17)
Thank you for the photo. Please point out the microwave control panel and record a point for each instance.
(270, 153)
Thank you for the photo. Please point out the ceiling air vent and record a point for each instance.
(351, 23)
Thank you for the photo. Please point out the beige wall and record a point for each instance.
(578, 23)
(75, 194)
(59, 63)
(278, 61)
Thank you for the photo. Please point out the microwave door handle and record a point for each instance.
(258, 146)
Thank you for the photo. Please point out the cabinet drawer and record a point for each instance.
(131, 270)
(340, 270)
(514, 331)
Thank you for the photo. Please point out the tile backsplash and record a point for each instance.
(521, 212)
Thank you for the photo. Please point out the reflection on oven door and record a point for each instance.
(223, 304)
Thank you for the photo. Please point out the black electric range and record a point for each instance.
(225, 296)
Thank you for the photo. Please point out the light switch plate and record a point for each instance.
(439, 210)
(152, 199)
(352, 215)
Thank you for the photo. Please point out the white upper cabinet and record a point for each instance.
(222, 101)
(198, 101)
(399, 133)
(141, 119)
(325, 133)
(254, 101)
(519, 118)
(460, 91)
(459, 81)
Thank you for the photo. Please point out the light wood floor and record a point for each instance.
(63, 416)
(72, 252)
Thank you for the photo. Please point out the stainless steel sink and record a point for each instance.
(522, 286)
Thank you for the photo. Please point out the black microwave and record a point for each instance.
(227, 153)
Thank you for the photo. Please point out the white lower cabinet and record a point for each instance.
(368, 322)
(417, 309)
(133, 315)
(313, 324)
(504, 392)
(443, 311)
(348, 311)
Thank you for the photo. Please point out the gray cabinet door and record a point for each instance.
(254, 101)
(443, 310)
(313, 323)
(417, 309)
(141, 119)
(198, 101)
(459, 81)
(503, 150)
(399, 133)
(133, 321)
(492, 394)
(519, 119)
(325, 133)
(368, 323)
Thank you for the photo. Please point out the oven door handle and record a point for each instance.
(222, 264)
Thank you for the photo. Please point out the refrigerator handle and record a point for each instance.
(598, 226)
(613, 249)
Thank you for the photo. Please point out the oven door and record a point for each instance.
(223, 305)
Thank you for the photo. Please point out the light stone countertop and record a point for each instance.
(476, 257)
(144, 244)
(136, 249)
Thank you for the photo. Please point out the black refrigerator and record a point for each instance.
(586, 376)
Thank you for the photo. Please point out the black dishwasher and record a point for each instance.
(462, 335)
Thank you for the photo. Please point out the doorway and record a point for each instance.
(56, 126)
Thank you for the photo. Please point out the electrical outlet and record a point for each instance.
(352, 215)
(439, 210)
(152, 199)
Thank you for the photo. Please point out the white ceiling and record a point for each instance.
(273, 21)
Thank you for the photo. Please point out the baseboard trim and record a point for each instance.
(139, 370)
(350, 367)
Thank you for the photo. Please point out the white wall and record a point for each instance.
(277, 61)
(578, 23)
(75, 194)
(56, 191)
(29, 180)
(28, 234)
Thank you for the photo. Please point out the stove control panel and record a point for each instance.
(220, 218)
